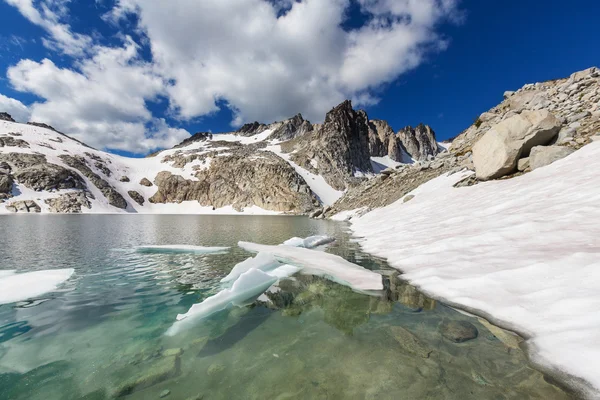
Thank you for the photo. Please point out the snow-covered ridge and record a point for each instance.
(523, 252)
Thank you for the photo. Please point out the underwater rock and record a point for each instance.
(458, 331)
(215, 369)
(164, 393)
(409, 342)
(160, 370)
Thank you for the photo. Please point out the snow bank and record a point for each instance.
(309, 242)
(181, 248)
(322, 264)
(18, 287)
(262, 261)
(525, 251)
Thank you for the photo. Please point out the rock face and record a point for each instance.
(409, 342)
(112, 195)
(69, 203)
(240, 180)
(292, 128)
(497, 152)
(252, 128)
(26, 206)
(458, 331)
(197, 137)
(6, 117)
(34, 172)
(10, 141)
(138, 198)
(546, 155)
(339, 148)
(419, 142)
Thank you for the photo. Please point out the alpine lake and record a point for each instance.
(101, 335)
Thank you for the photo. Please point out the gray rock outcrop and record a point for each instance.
(112, 195)
(419, 142)
(10, 141)
(497, 152)
(291, 128)
(69, 203)
(145, 182)
(6, 117)
(137, 197)
(243, 179)
(23, 206)
(197, 137)
(34, 172)
(545, 155)
(339, 149)
(251, 129)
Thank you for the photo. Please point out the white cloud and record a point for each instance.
(267, 67)
(265, 60)
(102, 104)
(15, 108)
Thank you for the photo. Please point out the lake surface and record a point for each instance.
(102, 334)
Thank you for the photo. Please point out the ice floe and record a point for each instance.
(244, 290)
(262, 261)
(309, 242)
(323, 264)
(181, 248)
(16, 287)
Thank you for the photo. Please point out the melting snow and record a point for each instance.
(262, 261)
(322, 264)
(180, 248)
(525, 251)
(16, 287)
(310, 242)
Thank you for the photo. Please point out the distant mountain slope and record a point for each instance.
(253, 170)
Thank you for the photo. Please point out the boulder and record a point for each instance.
(458, 331)
(523, 164)
(145, 182)
(409, 342)
(497, 152)
(546, 155)
(137, 197)
(123, 178)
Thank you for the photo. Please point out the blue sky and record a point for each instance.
(131, 77)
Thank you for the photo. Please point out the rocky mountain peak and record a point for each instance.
(196, 137)
(6, 117)
(292, 128)
(251, 128)
(419, 142)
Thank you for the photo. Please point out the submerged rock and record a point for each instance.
(458, 331)
(152, 373)
(409, 342)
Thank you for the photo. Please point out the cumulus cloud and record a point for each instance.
(15, 108)
(268, 65)
(103, 103)
(263, 59)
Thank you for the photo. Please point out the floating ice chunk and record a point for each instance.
(285, 271)
(245, 290)
(181, 248)
(18, 287)
(323, 264)
(262, 261)
(310, 242)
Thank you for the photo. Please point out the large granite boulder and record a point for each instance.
(497, 152)
(545, 155)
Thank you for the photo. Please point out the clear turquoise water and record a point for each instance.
(101, 335)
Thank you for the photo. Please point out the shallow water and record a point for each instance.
(102, 334)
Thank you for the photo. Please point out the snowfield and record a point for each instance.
(523, 252)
